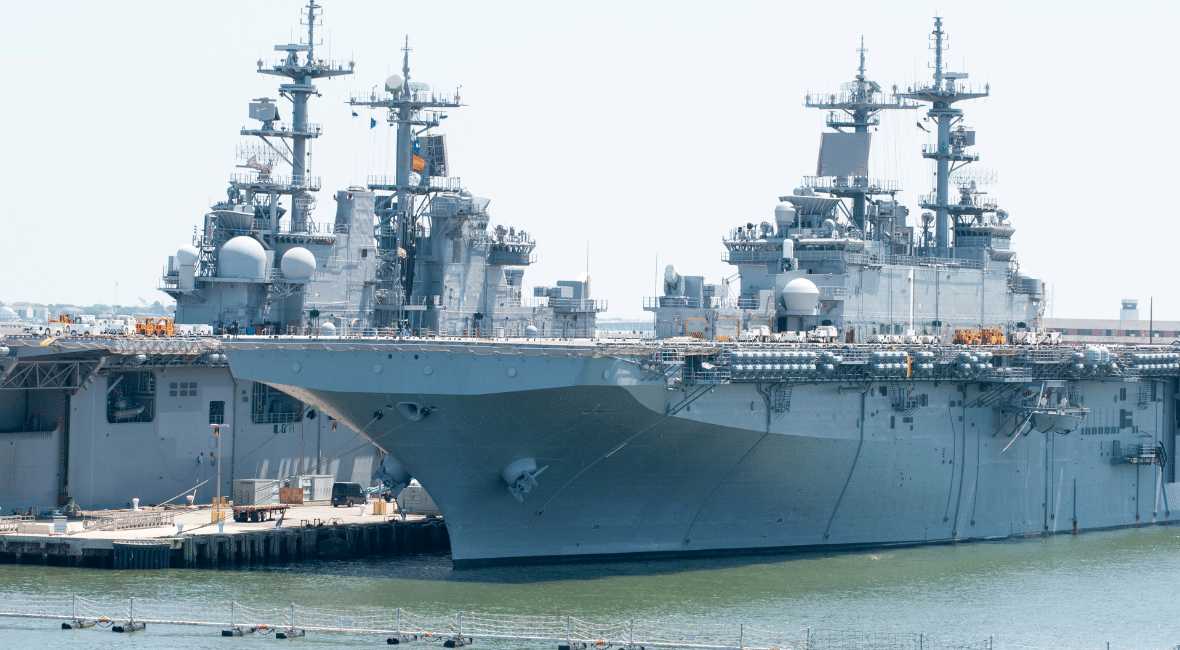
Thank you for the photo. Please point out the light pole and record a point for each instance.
(216, 461)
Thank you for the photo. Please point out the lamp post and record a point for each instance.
(217, 462)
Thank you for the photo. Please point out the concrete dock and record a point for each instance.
(189, 539)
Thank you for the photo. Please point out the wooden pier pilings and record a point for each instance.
(272, 546)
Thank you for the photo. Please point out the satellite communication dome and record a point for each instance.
(531, 331)
(241, 257)
(394, 83)
(784, 213)
(801, 295)
(327, 329)
(186, 255)
(298, 264)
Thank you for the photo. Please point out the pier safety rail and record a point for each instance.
(462, 628)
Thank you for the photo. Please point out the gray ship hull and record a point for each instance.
(634, 467)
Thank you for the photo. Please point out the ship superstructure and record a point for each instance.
(408, 254)
(440, 269)
(257, 265)
(842, 258)
(414, 254)
(860, 391)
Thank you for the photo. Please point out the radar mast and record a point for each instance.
(299, 132)
(410, 105)
(950, 153)
(853, 110)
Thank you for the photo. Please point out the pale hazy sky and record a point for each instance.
(644, 128)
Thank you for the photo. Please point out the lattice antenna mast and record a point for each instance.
(856, 108)
(291, 141)
(410, 106)
(951, 150)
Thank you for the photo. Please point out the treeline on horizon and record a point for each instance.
(155, 309)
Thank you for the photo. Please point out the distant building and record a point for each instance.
(1130, 310)
(30, 312)
(1128, 329)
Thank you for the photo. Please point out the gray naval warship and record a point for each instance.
(876, 381)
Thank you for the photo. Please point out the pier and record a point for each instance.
(187, 539)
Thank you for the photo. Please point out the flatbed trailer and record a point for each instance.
(259, 513)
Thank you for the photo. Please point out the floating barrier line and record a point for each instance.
(462, 628)
(396, 622)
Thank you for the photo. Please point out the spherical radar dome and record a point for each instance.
(800, 295)
(241, 257)
(187, 255)
(298, 264)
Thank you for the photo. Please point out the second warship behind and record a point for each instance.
(875, 382)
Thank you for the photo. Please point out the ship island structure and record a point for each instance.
(879, 379)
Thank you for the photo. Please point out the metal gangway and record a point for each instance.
(459, 629)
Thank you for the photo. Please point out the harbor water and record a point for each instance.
(1071, 591)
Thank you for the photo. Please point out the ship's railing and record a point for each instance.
(414, 97)
(844, 182)
(503, 257)
(681, 302)
(439, 183)
(580, 305)
(752, 257)
(10, 523)
(309, 227)
(278, 183)
(751, 302)
(130, 520)
(283, 128)
(940, 89)
(1020, 287)
(711, 376)
(866, 259)
(320, 65)
(980, 202)
(814, 255)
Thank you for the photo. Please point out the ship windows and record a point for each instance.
(217, 412)
(131, 397)
(182, 389)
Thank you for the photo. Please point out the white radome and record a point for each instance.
(298, 264)
(800, 295)
(241, 257)
(187, 255)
